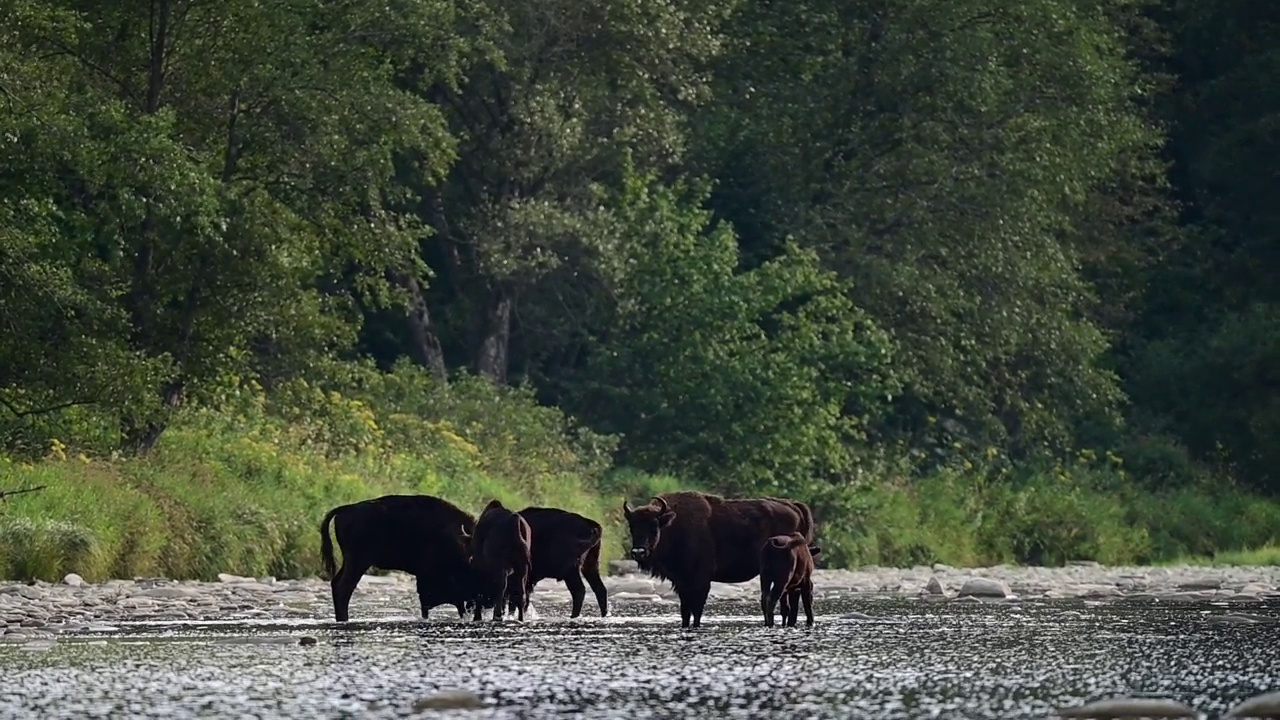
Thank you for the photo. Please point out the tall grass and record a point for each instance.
(242, 489)
(1047, 518)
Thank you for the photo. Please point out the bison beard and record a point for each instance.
(786, 573)
(692, 538)
(566, 547)
(501, 549)
(399, 532)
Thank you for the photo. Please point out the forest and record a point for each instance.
(982, 280)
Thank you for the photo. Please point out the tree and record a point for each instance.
(945, 157)
(1204, 353)
(556, 95)
(205, 194)
(760, 380)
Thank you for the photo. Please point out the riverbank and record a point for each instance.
(35, 611)
(242, 490)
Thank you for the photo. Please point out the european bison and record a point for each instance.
(693, 538)
(566, 547)
(786, 573)
(808, 529)
(417, 534)
(500, 553)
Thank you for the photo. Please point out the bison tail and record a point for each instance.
(326, 545)
(526, 539)
(807, 525)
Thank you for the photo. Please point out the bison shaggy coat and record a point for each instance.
(692, 538)
(786, 573)
(501, 558)
(566, 547)
(418, 534)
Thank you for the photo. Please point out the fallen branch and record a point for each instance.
(4, 494)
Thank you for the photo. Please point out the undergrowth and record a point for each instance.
(240, 482)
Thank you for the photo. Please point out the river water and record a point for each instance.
(885, 659)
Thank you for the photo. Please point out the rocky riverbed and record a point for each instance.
(41, 610)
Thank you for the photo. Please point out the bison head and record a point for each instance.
(468, 544)
(646, 523)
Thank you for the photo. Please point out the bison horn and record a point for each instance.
(626, 509)
(661, 503)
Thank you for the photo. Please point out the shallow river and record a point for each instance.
(908, 659)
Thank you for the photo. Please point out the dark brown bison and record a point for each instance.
(566, 547)
(501, 558)
(809, 530)
(417, 534)
(692, 538)
(786, 573)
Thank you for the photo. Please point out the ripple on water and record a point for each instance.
(891, 660)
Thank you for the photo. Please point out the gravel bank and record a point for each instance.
(39, 610)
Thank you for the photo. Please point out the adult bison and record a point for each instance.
(809, 529)
(566, 547)
(692, 538)
(500, 552)
(417, 534)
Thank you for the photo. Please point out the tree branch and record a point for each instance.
(45, 410)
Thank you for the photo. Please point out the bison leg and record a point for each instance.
(778, 598)
(698, 601)
(343, 585)
(500, 597)
(791, 603)
(806, 594)
(577, 592)
(426, 598)
(520, 594)
(513, 602)
(766, 600)
(591, 571)
(686, 605)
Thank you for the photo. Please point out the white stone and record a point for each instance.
(984, 587)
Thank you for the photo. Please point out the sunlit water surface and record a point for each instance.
(909, 659)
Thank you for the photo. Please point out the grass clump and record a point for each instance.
(1265, 556)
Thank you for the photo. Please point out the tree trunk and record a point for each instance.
(491, 362)
(426, 345)
(139, 438)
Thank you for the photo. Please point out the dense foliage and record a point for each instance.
(837, 251)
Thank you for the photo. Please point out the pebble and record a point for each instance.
(75, 603)
(449, 700)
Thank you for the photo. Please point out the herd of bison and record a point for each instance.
(687, 538)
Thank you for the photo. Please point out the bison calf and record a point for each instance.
(501, 551)
(786, 573)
